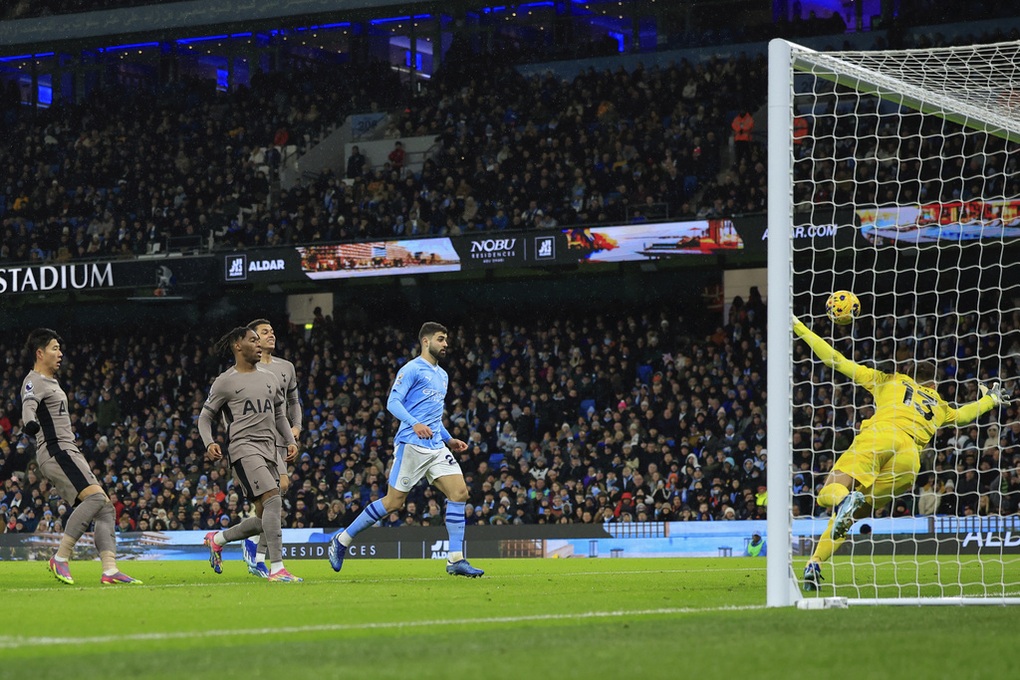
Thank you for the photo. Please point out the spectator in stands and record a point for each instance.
(743, 127)
(396, 157)
(355, 164)
(928, 497)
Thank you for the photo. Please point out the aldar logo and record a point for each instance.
(992, 539)
(236, 267)
(545, 248)
(494, 250)
(439, 550)
(811, 231)
(267, 265)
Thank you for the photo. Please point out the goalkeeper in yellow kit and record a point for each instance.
(884, 458)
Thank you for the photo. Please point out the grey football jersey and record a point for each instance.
(251, 405)
(284, 371)
(43, 400)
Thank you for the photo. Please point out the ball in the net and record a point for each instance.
(843, 307)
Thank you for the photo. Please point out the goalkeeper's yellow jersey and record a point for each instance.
(900, 401)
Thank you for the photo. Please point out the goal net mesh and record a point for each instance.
(906, 192)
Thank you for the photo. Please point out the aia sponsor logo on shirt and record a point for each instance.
(257, 406)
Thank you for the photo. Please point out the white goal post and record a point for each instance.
(896, 175)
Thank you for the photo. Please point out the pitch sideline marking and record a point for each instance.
(15, 642)
(355, 580)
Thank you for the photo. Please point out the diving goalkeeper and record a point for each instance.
(884, 458)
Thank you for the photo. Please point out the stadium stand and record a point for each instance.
(609, 146)
(124, 171)
(615, 417)
(619, 417)
(129, 172)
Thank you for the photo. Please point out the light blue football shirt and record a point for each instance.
(418, 395)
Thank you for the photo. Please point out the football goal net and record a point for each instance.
(895, 175)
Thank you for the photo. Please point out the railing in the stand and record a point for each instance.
(188, 245)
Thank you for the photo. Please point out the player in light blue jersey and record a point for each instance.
(423, 448)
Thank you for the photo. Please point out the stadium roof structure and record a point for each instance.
(178, 19)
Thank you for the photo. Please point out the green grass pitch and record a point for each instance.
(381, 619)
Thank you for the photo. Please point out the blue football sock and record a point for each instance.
(455, 525)
(369, 516)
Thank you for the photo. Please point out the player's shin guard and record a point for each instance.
(832, 494)
(106, 541)
(79, 521)
(272, 527)
(263, 546)
(455, 526)
(372, 513)
(243, 529)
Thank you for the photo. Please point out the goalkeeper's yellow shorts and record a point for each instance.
(884, 461)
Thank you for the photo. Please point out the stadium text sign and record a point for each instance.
(319, 551)
(237, 267)
(991, 539)
(812, 231)
(642, 242)
(56, 277)
(149, 276)
(494, 250)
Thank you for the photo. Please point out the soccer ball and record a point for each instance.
(843, 307)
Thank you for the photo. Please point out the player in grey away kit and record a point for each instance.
(255, 556)
(45, 416)
(250, 400)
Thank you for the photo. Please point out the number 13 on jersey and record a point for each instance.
(921, 402)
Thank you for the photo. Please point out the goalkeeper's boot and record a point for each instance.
(462, 568)
(845, 511)
(813, 576)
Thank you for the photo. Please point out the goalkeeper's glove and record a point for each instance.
(31, 428)
(995, 391)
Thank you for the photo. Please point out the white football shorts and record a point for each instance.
(414, 462)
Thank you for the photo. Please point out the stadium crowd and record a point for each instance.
(632, 416)
(618, 417)
(184, 167)
(524, 153)
(125, 169)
